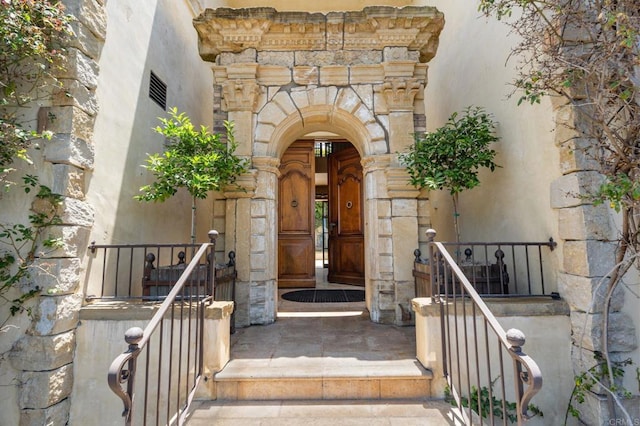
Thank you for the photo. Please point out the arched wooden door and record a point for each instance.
(296, 196)
(346, 218)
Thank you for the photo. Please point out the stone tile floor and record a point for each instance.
(324, 343)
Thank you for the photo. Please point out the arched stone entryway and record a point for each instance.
(360, 75)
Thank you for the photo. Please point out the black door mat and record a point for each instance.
(324, 296)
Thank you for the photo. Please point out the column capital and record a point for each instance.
(267, 164)
(400, 93)
(240, 94)
(376, 163)
(399, 184)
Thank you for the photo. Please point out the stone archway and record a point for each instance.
(281, 75)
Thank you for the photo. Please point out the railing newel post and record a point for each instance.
(516, 340)
(431, 236)
(213, 237)
(118, 374)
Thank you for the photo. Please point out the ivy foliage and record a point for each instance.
(33, 35)
(20, 244)
(588, 382)
(485, 403)
(451, 156)
(194, 159)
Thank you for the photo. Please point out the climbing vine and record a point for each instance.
(584, 56)
(486, 403)
(21, 244)
(33, 35)
(587, 381)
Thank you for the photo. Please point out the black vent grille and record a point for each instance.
(158, 91)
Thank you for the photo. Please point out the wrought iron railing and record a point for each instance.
(499, 269)
(121, 271)
(157, 375)
(147, 271)
(476, 348)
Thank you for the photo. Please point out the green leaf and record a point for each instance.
(451, 156)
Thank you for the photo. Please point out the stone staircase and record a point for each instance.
(323, 370)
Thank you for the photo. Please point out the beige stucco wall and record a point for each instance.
(142, 37)
(95, 355)
(472, 68)
(545, 324)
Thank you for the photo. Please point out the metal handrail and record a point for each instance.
(123, 369)
(526, 371)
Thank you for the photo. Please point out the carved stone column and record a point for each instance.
(258, 231)
(402, 83)
(392, 211)
(379, 283)
(239, 98)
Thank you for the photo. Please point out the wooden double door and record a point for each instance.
(296, 218)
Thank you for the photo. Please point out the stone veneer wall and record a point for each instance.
(44, 355)
(589, 235)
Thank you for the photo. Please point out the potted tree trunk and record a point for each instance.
(451, 156)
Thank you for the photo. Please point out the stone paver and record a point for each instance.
(335, 345)
(321, 413)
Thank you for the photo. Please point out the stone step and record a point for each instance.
(324, 413)
(323, 388)
(324, 378)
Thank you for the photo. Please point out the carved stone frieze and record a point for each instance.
(374, 28)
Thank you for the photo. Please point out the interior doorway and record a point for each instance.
(320, 214)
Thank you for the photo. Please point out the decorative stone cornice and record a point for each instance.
(373, 28)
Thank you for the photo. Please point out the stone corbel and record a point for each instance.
(398, 184)
(244, 186)
(400, 93)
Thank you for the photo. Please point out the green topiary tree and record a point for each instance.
(194, 159)
(450, 157)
